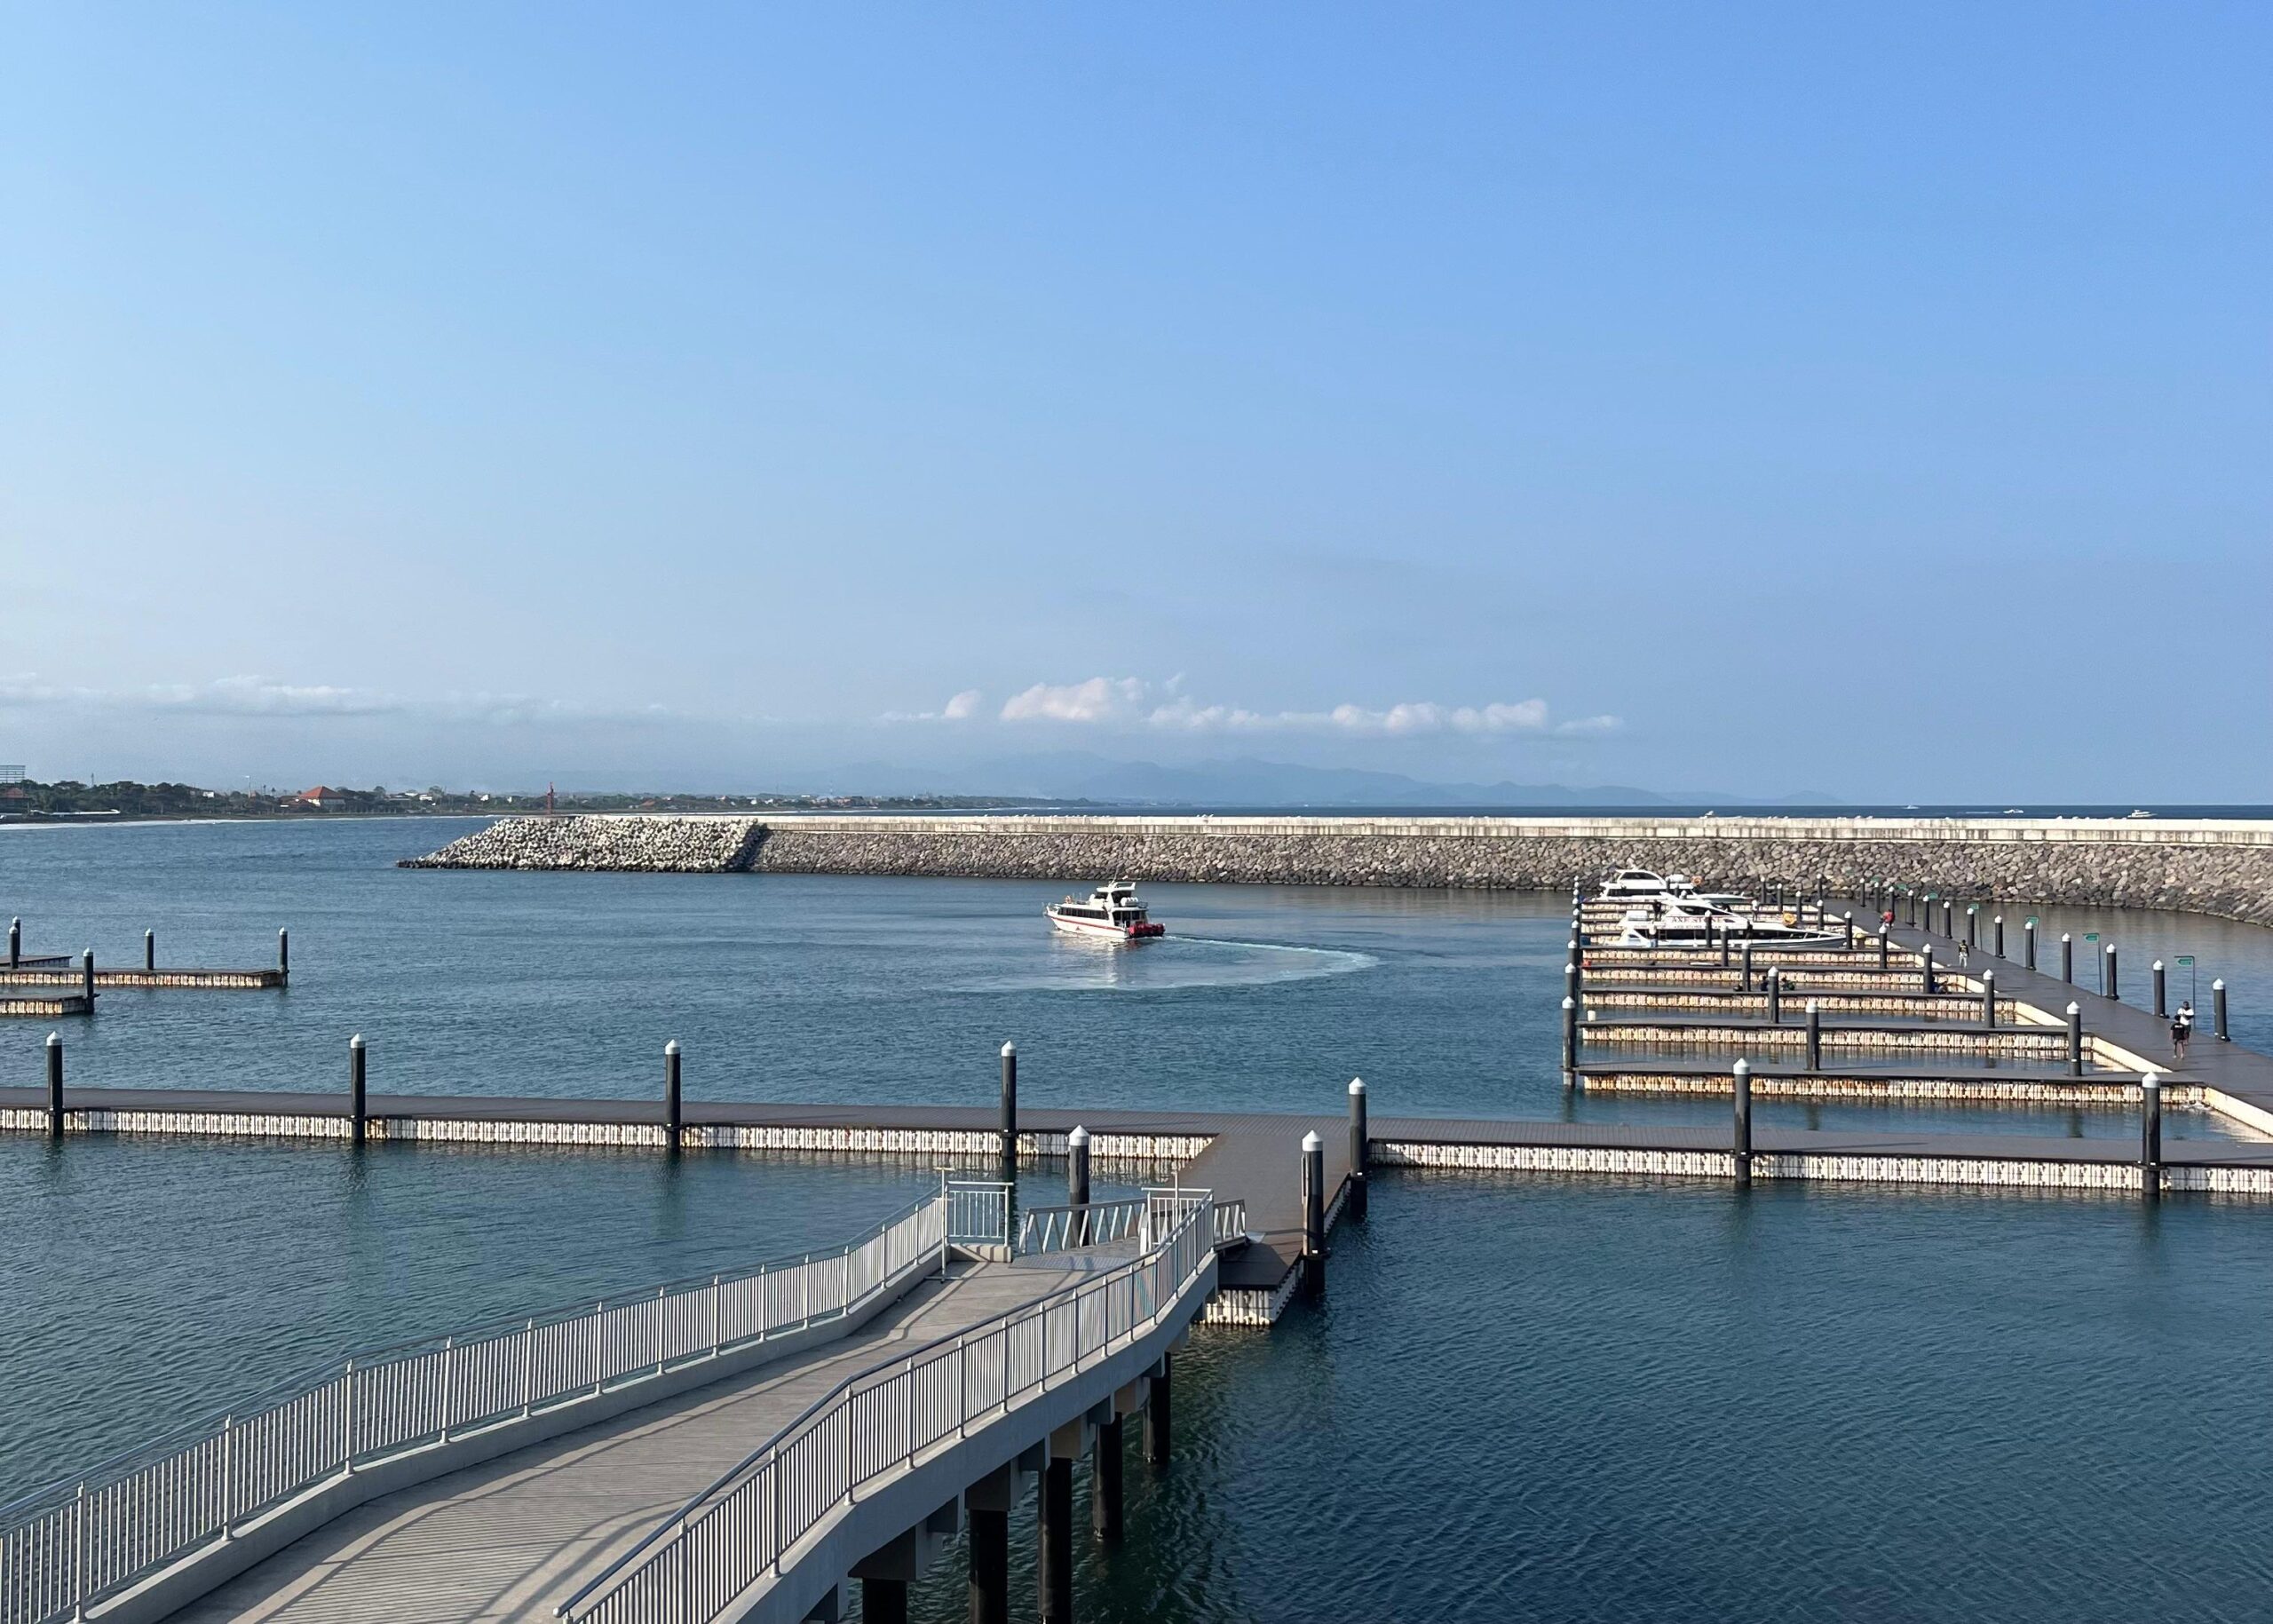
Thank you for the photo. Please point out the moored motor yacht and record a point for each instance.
(1642, 885)
(1679, 923)
(1111, 910)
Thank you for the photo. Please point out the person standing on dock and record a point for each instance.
(1964, 955)
(2182, 1031)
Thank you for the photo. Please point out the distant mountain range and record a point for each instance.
(1072, 775)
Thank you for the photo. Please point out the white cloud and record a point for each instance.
(960, 708)
(1131, 701)
(262, 697)
(1101, 699)
(1590, 724)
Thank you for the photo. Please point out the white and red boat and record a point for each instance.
(1112, 910)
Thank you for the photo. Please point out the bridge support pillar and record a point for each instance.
(1156, 1416)
(986, 1504)
(1106, 1497)
(1054, 1541)
(884, 1601)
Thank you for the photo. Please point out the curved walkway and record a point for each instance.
(508, 1540)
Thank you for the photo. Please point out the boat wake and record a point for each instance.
(1080, 965)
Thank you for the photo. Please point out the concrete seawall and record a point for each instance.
(2219, 867)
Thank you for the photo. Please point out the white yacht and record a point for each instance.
(1680, 922)
(1112, 910)
(1642, 885)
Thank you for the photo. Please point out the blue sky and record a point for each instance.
(1870, 400)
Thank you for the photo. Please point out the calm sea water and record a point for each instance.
(1525, 1398)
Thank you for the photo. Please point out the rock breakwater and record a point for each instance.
(2223, 869)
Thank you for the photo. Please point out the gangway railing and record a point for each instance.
(66, 1547)
(1095, 1223)
(978, 1212)
(732, 1534)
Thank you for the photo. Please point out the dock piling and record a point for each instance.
(2075, 1039)
(150, 952)
(1313, 1216)
(284, 954)
(1570, 1040)
(2109, 981)
(2151, 1135)
(87, 977)
(1997, 941)
(1973, 924)
(2155, 978)
(1360, 1148)
(1077, 1177)
(2218, 1008)
(2027, 944)
(1848, 921)
(15, 943)
(1989, 1000)
(356, 1117)
(1744, 979)
(55, 1085)
(1885, 931)
(2067, 958)
(672, 1115)
(1926, 966)
(1949, 917)
(1775, 995)
(1741, 1144)
(1815, 1035)
(1008, 1150)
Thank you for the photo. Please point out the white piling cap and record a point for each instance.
(1988, 975)
(1079, 1139)
(2148, 1080)
(1356, 1085)
(1009, 1049)
(2074, 1008)
(2109, 948)
(1570, 1003)
(2065, 936)
(55, 1040)
(1743, 1068)
(2218, 984)
(1311, 1142)
(1813, 1006)
(356, 1041)
(2158, 964)
(671, 1048)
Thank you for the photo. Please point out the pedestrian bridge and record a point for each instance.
(729, 1448)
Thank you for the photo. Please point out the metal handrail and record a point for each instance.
(1065, 1229)
(978, 1212)
(692, 1565)
(68, 1545)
